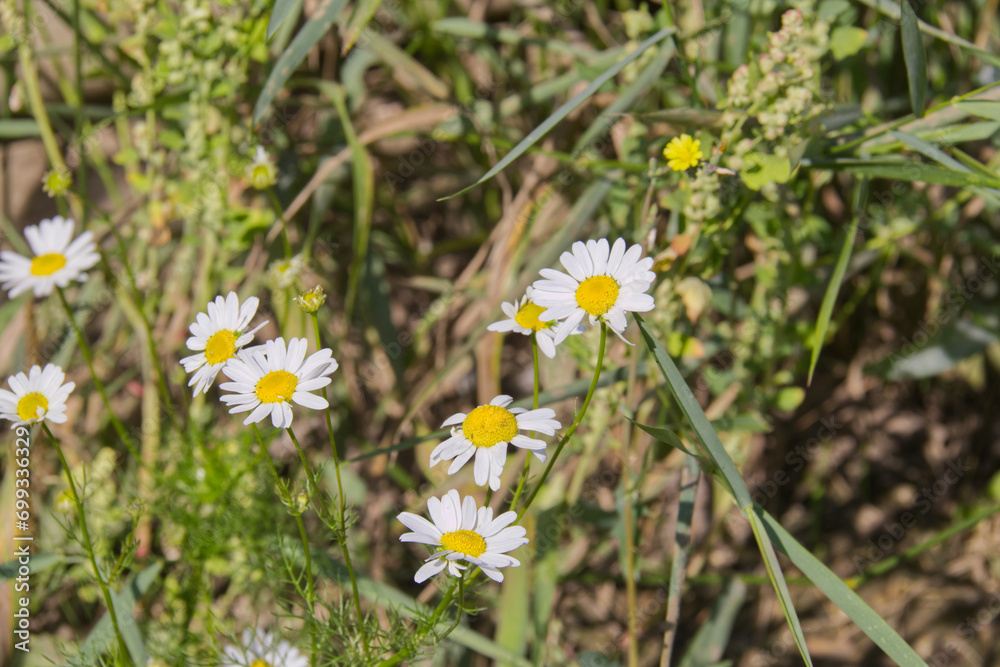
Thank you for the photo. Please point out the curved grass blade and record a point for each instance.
(311, 32)
(282, 8)
(830, 298)
(913, 54)
(564, 111)
(840, 594)
(625, 99)
(731, 477)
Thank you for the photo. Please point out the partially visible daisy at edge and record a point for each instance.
(682, 153)
(485, 433)
(465, 532)
(217, 337)
(41, 394)
(261, 648)
(522, 318)
(59, 258)
(603, 283)
(267, 383)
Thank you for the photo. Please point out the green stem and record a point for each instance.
(573, 426)
(534, 406)
(280, 212)
(87, 544)
(310, 584)
(909, 118)
(341, 509)
(88, 357)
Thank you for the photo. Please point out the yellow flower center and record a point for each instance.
(682, 152)
(527, 317)
(260, 663)
(27, 407)
(467, 542)
(220, 346)
(597, 294)
(276, 386)
(489, 425)
(47, 264)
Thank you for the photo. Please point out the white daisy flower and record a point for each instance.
(523, 319)
(602, 283)
(262, 649)
(218, 337)
(261, 171)
(268, 382)
(59, 258)
(464, 533)
(486, 432)
(38, 395)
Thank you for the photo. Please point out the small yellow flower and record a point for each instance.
(682, 153)
(311, 299)
(56, 182)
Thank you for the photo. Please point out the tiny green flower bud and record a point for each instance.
(56, 182)
(311, 300)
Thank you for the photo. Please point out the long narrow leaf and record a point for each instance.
(564, 111)
(915, 172)
(833, 289)
(626, 98)
(840, 594)
(720, 457)
(913, 54)
(282, 8)
(311, 32)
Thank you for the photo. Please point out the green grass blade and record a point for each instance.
(564, 111)
(689, 406)
(913, 54)
(840, 594)
(892, 10)
(311, 32)
(984, 109)
(830, 298)
(626, 98)
(928, 149)
(664, 435)
(19, 128)
(915, 172)
(363, 183)
(720, 457)
(712, 637)
(281, 11)
(778, 582)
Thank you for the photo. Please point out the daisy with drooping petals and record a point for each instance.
(464, 533)
(682, 153)
(267, 383)
(523, 319)
(486, 431)
(59, 258)
(38, 395)
(262, 649)
(217, 337)
(603, 283)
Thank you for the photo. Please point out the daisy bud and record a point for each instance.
(311, 299)
(56, 182)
